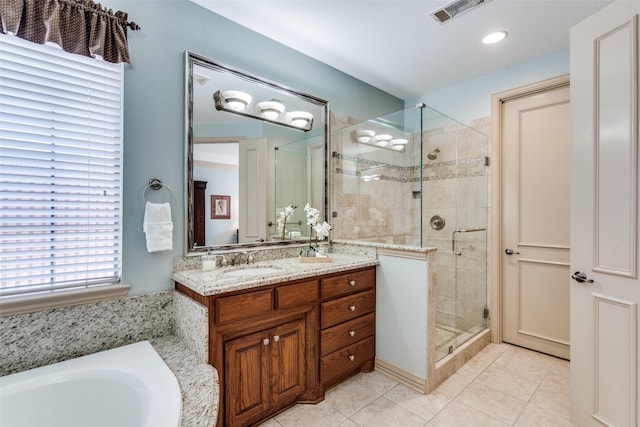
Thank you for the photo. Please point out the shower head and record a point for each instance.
(434, 154)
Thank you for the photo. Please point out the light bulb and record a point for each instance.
(301, 119)
(364, 135)
(496, 37)
(271, 109)
(236, 100)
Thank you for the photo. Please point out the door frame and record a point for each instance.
(495, 261)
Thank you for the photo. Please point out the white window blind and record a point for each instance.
(60, 168)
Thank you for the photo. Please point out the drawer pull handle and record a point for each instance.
(352, 333)
(276, 338)
(265, 341)
(352, 307)
(352, 357)
(352, 282)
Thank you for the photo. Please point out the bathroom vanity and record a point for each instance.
(282, 332)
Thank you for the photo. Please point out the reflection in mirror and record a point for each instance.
(256, 146)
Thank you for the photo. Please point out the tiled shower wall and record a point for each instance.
(376, 211)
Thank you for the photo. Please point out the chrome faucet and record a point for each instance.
(250, 258)
(223, 260)
(237, 259)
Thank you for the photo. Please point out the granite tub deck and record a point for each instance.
(198, 381)
(213, 282)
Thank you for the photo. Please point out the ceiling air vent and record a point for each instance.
(454, 8)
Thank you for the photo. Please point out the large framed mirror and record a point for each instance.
(253, 147)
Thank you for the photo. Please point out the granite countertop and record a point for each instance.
(214, 282)
(198, 381)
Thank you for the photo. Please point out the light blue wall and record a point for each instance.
(471, 99)
(154, 109)
(401, 313)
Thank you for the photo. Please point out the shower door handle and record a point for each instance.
(463, 230)
(509, 251)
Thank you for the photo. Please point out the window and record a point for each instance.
(60, 169)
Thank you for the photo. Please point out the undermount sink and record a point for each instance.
(252, 271)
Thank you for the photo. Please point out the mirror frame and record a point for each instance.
(192, 59)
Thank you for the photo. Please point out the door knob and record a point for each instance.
(510, 251)
(580, 277)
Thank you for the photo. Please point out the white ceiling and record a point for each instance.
(397, 46)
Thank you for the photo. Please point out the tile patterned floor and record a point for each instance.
(501, 386)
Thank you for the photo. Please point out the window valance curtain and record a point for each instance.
(77, 26)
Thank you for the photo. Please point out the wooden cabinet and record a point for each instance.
(347, 336)
(264, 370)
(279, 344)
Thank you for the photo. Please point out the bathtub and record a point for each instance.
(129, 386)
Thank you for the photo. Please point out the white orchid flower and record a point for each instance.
(313, 215)
(322, 230)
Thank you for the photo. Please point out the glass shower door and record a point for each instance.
(469, 239)
(455, 206)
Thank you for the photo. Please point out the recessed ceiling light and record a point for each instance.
(494, 37)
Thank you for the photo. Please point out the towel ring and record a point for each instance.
(156, 184)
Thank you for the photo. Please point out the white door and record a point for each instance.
(605, 291)
(535, 146)
(252, 206)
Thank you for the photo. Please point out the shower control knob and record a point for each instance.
(509, 251)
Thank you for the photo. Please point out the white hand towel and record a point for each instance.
(158, 227)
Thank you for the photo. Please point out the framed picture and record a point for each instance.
(220, 207)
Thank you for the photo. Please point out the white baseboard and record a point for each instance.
(402, 376)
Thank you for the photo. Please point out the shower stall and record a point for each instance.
(418, 178)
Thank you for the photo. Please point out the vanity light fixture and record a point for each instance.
(495, 37)
(235, 99)
(271, 109)
(386, 141)
(238, 102)
(301, 119)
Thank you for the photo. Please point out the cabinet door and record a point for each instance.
(288, 362)
(247, 378)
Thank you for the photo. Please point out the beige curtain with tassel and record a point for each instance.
(77, 26)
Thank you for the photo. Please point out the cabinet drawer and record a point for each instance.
(347, 308)
(348, 359)
(297, 294)
(243, 306)
(347, 283)
(347, 333)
